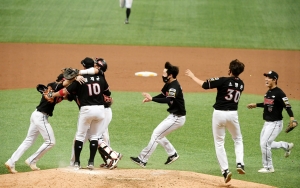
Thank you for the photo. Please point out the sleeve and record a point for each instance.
(72, 87)
(212, 83)
(286, 104)
(260, 105)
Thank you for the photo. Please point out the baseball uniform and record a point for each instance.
(39, 125)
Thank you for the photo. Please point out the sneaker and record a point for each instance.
(90, 165)
(240, 168)
(266, 170)
(77, 166)
(32, 165)
(115, 162)
(10, 168)
(171, 159)
(126, 21)
(227, 176)
(137, 161)
(288, 151)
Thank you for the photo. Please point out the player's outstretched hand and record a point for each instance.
(252, 105)
(189, 73)
(147, 97)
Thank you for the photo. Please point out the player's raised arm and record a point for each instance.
(190, 74)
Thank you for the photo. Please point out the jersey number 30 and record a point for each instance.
(233, 95)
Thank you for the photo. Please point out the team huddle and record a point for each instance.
(90, 90)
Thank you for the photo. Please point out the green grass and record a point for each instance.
(132, 126)
(269, 24)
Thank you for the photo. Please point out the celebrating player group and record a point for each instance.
(90, 90)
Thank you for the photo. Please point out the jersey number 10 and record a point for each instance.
(94, 89)
(233, 95)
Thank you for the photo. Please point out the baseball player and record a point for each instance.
(172, 95)
(225, 114)
(128, 5)
(91, 115)
(38, 125)
(99, 68)
(274, 102)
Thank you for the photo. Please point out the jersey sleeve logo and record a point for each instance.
(286, 102)
(172, 92)
(213, 79)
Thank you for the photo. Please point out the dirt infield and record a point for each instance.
(26, 65)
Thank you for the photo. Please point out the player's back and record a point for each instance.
(91, 92)
(229, 92)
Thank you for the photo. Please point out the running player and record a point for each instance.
(172, 95)
(38, 125)
(274, 102)
(225, 114)
(91, 115)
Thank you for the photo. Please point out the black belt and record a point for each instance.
(178, 115)
(43, 112)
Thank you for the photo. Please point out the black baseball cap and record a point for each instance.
(88, 62)
(60, 78)
(272, 74)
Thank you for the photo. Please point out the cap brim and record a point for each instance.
(266, 74)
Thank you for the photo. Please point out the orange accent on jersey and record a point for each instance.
(269, 101)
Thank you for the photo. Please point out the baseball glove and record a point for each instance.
(41, 88)
(292, 124)
(107, 100)
(70, 73)
(48, 95)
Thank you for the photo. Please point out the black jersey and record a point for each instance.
(173, 91)
(229, 91)
(46, 106)
(91, 92)
(274, 102)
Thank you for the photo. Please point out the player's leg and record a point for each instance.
(287, 147)
(218, 128)
(168, 125)
(234, 129)
(32, 135)
(84, 121)
(97, 129)
(47, 133)
(173, 123)
(128, 5)
(270, 131)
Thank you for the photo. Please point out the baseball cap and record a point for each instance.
(272, 74)
(88, 62)
(60, 78)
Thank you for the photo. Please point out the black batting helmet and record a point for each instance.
(101, 63)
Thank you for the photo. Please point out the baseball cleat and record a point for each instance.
(171, 159)
(115, 162)
(126, 21)
(266, 170)
(32, 165)
(240, 168)
(288, 151)
(227, 176)
(10, 168)
(137, 161)
(77, 166)
(90, 166)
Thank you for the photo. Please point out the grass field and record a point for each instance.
(269, 24)
(131, 128)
